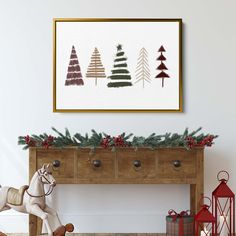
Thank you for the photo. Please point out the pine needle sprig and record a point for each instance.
(64, 140)
(95, 139)
(126, 139)
(82, 141)
(153, 140)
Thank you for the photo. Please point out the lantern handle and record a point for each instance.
(202, 201)
(227, 174)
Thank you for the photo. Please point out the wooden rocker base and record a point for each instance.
(61, 231)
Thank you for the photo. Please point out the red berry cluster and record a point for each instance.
(45, 143)
(105, 142)
(207, 141)
(119, 141)
(48, 142)
(113, 141)
(29, 141)
(190, 141)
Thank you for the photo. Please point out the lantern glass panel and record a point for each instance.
(206, 229)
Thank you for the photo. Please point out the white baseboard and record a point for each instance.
(118, 223)
(94, 223)
(14, 223)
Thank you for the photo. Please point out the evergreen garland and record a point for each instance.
(187, 140)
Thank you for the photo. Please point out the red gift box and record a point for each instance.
(179, 224)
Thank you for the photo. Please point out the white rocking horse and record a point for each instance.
(31, 199)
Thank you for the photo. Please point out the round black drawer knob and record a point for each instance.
(177, 163)
(137, 163)
(97, 163)
(56, 163)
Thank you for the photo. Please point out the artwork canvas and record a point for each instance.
(117, 65)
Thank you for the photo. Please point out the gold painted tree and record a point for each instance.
(95, 68)
(162, 67)
(142, 69)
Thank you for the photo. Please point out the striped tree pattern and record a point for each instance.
(95, 68)
(142, 69)
(120, 74)
(162, 67)
(74, 76)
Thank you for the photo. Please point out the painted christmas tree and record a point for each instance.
(162, 67)
(142, 69)
(96, 69)
(120, 75)
(74, 76)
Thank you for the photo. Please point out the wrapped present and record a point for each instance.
(179, 224)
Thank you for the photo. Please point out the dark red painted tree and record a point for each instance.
(162, 67)
(74, 76)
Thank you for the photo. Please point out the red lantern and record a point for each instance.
(205, 221)
(223, 205)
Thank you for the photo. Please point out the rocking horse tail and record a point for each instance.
(3, 197)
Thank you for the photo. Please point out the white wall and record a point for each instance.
(209, 54)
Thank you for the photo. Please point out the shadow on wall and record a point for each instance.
(215, 161)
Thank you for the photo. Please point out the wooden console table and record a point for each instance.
(125, 166)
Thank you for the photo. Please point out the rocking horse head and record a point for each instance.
(45, 175)
(41, 177)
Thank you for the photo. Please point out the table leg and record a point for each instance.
(39, 226)
(32, 225)
(197, 189)
(196, 193)
(35, 225)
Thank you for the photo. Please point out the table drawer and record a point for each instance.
(66, 158)
(100, 164)
(177, 163)
(133, 165)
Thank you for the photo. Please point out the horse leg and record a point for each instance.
(36, 210)
(53, 213)
(5, 208)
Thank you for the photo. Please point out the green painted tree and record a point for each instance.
(120, 75)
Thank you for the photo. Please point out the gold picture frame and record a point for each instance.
(66, 98)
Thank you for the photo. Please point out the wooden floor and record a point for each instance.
(99, 234)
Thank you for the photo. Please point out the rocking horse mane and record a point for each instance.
(35, 180)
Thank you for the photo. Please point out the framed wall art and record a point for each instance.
(117, 65)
